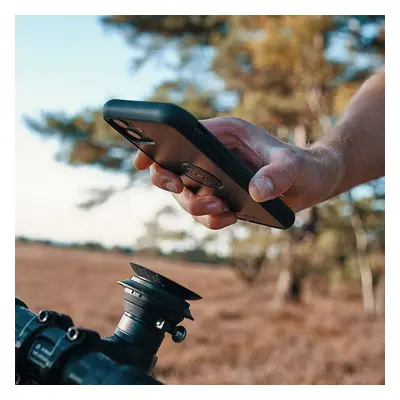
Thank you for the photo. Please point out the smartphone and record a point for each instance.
(174, 138)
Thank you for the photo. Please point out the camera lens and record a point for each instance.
(120, 123)
(137, 135)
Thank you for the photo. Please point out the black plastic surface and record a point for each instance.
(163, 282)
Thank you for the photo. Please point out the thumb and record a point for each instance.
(273, 179)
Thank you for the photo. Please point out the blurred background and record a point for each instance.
(302, 306)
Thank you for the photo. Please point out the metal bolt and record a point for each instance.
(160, 324)
(43, 316)
(179, 334)
(72, 333)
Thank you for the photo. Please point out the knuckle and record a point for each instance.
(192, 208)
(240, 124)
(221, 125)
(156, 180)
(298, 161)
(153, 176)
(291, 165)
(156, 169)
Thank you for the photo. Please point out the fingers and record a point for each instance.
(199, 205)
(218, 221)
(165, 179)
(191, 203)
(210, 211)
(232, 132)
(141, 161)
(275, 178)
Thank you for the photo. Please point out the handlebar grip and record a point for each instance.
(79, 370)
(50, 350)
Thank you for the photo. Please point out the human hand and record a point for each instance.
(303, 177)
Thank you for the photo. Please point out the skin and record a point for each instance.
(351, 153)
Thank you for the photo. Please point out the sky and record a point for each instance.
(68, 63)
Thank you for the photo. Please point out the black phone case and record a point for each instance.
(205, 142)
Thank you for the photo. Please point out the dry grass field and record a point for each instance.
(236, 338)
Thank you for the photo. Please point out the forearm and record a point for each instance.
(357, 142)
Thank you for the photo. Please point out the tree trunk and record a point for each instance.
(288, 287)
(296, 288)
(282, 286)
(283, 282)
(363, 263)
(289, 283)
(380, 296)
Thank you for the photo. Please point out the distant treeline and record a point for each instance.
(197, 255)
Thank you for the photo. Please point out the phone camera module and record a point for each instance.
(137, 135)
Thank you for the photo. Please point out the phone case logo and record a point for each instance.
(200, 175)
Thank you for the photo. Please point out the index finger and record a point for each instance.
(142, 161)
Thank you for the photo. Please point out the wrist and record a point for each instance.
(332, 167)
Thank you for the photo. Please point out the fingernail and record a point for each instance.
(265, 188)
(213, 208)
(171, 187)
